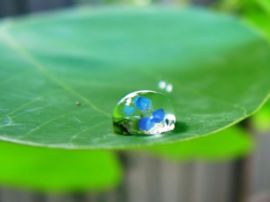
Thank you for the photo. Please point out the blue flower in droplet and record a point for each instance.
(134, 100)
(158, 115)
(146, 123)
(128, 110)
(142, 103)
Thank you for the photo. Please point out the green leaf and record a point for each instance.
(218, 66)
(261, 120)
(257, 13)
(264, 4)
(261, 22)
(56, 170)
(232, 142)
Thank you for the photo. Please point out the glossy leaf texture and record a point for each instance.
(62, 73)
(229, 143)
(54, 170)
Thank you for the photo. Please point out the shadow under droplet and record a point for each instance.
(180, 127)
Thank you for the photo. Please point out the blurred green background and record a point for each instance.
(232, 165)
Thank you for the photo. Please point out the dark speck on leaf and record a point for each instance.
(78, 103)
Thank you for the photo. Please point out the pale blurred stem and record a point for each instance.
(241, 176)
(122, 189)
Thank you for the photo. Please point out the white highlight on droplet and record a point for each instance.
(129, 101)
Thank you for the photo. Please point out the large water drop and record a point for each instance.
(144, 113)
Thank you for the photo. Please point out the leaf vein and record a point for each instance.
(12, 43)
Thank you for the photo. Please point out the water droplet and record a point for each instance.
(144, 113)
(169, 88)
(165, 86)
(162, 84)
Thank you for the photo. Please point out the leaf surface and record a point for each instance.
(62, 73)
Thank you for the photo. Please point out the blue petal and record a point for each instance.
(143, 103)
(135, 99)
(146, 123)
(128, 110)
(158, 115)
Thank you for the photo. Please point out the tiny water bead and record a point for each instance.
(144, 113)
(165, 86)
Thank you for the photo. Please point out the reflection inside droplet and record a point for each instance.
(144, 112)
